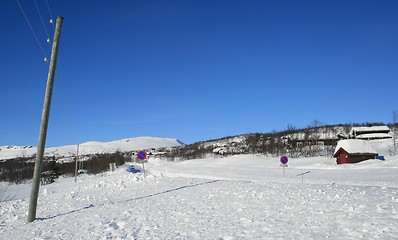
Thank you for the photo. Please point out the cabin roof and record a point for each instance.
(373, 129)
(355, 146)
(374, 136)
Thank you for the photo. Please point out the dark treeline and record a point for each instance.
(20, 170)
(16, 170)
(100, 162)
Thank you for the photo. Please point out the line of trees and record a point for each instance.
(100, 162)
(16, 170)
(187, 152)
(275, 143)
(20, 170)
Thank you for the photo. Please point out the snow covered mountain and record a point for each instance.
(123, 145)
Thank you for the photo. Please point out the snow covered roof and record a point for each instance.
(374, 136)
(355, 146)
(373, 129)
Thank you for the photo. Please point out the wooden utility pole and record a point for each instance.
(394, 131)
(44, 122)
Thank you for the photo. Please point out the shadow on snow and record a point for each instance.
(128, 200)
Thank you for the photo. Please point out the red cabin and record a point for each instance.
(353, 151)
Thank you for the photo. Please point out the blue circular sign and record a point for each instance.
(141, 155)
(284, 160)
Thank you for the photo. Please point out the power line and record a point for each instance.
(51, 16)
(63, 93)
(31, 29)
(59, 68)
(41, 18)
(49, 10)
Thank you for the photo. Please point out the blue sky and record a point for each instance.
(196, 70)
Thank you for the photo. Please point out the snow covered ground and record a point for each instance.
(239, 197)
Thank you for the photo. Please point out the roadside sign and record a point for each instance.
(284, 160)
(141, 155)
(302, 175)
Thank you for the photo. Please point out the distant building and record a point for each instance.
(353, 151)
(370, 133)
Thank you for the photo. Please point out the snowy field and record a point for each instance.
(240, 197)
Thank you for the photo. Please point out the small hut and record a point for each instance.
(353, 151)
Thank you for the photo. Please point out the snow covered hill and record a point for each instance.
(237, 197)
(124, 145)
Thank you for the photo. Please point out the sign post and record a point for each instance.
(142, 157)
(284, 161)
(302, 175)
